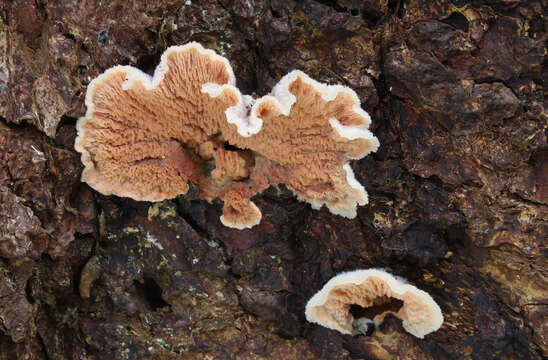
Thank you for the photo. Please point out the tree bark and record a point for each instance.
(458, 191)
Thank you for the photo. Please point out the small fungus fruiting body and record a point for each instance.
(146, 137)
(330, 307)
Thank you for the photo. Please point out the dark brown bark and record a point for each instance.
(458, 190)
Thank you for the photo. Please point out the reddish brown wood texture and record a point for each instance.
(458, 190)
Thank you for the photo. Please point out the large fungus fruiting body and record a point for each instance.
(330, 307)
(146, 137)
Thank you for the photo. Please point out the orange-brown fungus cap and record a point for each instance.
(145, 137)
(309, 132)
(330, 307)
(141, 133)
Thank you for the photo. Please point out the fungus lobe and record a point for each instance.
(330, 307)
(146, 137)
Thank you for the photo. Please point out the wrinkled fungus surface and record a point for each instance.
(146, 137)
(331, 306)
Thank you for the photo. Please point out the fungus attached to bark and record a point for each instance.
(146, 137)
(331, 306)
(309, 133)
(141, 134)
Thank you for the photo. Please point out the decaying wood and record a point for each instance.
(458, 190)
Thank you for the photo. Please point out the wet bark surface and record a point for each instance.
(458, 189)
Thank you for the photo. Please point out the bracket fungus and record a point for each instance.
(146, 137)
(330, 307)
